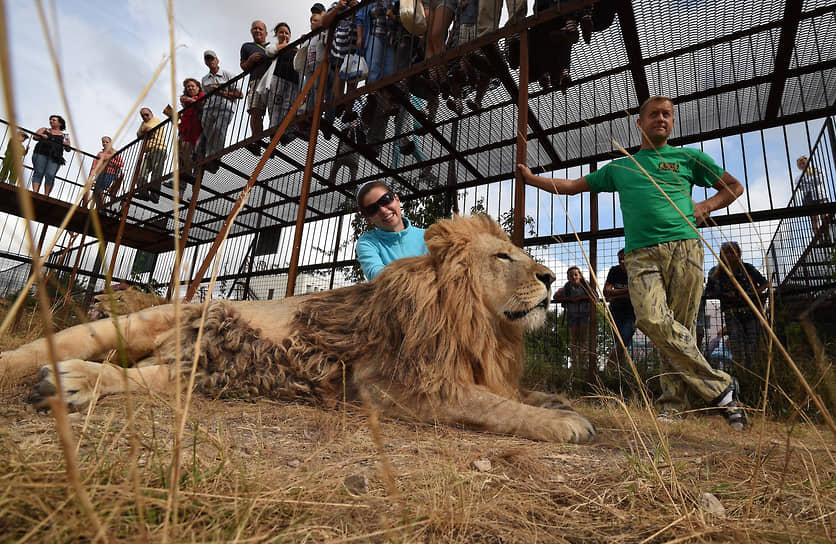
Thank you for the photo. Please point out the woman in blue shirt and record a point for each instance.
(394, 237)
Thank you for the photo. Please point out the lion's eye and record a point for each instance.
(504, 256)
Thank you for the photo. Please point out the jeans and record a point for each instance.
(625, 323)
(44, 170)
(380, 57)
(215, 124)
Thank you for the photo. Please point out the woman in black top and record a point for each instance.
(49, 153)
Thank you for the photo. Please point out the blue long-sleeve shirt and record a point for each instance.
(377, 248)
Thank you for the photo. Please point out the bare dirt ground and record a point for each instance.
(276, 472)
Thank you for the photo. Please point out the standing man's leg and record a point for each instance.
(665, 285)
(516, 10)
(487, 19)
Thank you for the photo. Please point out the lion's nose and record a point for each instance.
(546, 278)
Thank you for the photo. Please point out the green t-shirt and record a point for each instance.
(649, 218)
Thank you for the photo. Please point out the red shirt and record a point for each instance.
(190, 128)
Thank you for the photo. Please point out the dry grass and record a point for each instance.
(275, 472)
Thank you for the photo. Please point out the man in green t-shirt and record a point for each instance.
(664, 256)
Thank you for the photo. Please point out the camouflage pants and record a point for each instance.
(665, 287)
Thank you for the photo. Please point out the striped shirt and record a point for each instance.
(345, 38)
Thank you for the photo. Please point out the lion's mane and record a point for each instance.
(421, 326)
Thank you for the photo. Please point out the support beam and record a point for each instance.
(296, 250)
(783, 56)
(630, 33)
(518, 234)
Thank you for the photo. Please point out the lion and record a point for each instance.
(436, 338)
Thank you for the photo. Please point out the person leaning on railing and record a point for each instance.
(48, 155)
(218, 108)
(154, 154)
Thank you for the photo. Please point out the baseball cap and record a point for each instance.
(209, 53)
(317, 8)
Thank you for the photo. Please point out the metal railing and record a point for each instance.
(801, 253)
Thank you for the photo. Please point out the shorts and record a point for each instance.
(435, 4)
(104, 181)
(812, 197)
(255, 101)
(467, 32)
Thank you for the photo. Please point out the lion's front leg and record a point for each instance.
(79, 380)
(553, 420)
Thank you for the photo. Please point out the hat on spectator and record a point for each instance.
(318, 8)
(209, 53)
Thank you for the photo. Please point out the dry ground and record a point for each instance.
(275, 472)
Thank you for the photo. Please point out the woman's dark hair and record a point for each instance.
(279, 25)
(61, 122)
(368, 186)
(734, 245)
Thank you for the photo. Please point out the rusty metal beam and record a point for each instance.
(306, 182)
(522, 153)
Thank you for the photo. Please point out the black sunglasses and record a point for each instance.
(372, 208)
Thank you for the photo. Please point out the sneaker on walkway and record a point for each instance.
(730, 408)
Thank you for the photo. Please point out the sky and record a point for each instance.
(109, 51)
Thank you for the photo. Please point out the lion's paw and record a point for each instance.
(76, 377)
(570, 426)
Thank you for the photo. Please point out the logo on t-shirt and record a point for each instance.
(670, 166)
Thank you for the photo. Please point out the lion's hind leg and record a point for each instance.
(92, 342)
(82, 381)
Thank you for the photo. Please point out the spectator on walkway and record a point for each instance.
(575, 296)
(344, 41)
(742, 323)
(106, 169)
(13, 160)
(439, 15)
(617, 292)
(663, 254)
(252, 60)
(813, 189)
(153, 158)
(218, 108)
(284, 85)
(313, 51)
(490, 10)
(48, 155)
(189, 128)
(394, 237)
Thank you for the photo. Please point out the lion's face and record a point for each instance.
(515, 288)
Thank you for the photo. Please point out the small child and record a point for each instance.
(9, 169)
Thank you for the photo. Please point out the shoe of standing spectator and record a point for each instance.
(729, 406)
